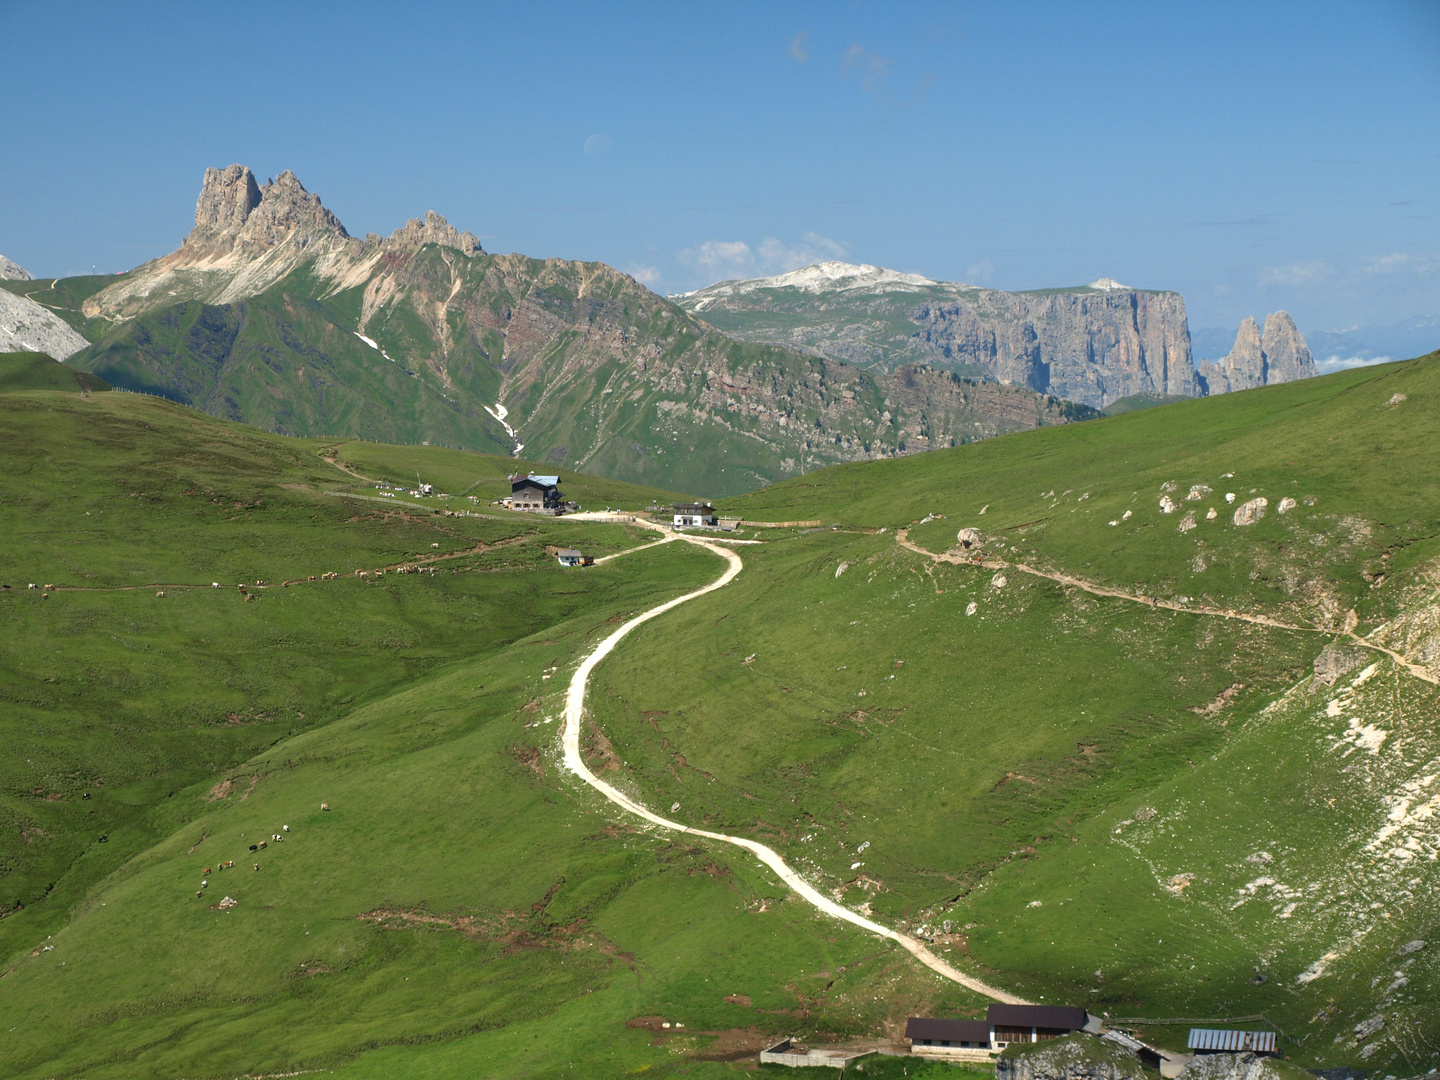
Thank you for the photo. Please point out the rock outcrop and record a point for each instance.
(1240, 1067)
(10, 271)
(25, 326)
(434, 229)
(1279, 355)
(1073, 1057)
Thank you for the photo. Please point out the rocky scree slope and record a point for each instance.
(271, 313)
(28, 326)
(1091, 344)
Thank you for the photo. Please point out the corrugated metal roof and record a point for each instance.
(548, 481)
(924, 1027)
(1065, 1017)
(1259, 1042)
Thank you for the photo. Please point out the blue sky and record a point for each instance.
(1250, 156)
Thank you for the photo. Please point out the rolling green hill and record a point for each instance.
(1161, 767)
(36, 371)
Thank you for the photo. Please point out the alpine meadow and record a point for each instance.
(798, 612)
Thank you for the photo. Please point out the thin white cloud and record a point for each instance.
(799, 48)
(597, 144)
(721, 260)
(1325, 365)
(728, 258)
(1297, 273)
(646, 275)
(1402, 264)
(980, 272)
(873, 68)
(778, 257)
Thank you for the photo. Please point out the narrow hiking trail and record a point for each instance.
(902, 537)
(575, 711)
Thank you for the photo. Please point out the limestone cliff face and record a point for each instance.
(1090, 345)
(1279, 355)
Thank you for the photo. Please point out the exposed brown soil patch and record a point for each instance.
(598, 752)
(1220, 702)
(530, 756)
(220, 791)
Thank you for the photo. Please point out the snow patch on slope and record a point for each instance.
(824, 277)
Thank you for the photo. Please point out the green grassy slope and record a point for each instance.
(460, 897)
(39, 371)
(1048, 497)
(116, 695)
(1089, 800)
(1051, 784)
(65, 296)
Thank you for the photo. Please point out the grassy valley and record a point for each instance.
(1103, 748)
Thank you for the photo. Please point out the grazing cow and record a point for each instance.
(254, 847)
(324, 806)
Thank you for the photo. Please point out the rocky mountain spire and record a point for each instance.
(1280, 355)
(234, 213)
(1287, 357)
(226, 198)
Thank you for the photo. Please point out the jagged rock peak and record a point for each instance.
(10, 271)
(285, 204)
(1287, 357)
(226, 198)
(434, 229)
(233, 205)
(1279, 355)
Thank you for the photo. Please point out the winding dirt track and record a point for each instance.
(575, 711)
(902, 537)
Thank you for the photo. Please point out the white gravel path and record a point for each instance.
(574, 712)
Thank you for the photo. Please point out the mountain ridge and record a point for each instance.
(1092, 344)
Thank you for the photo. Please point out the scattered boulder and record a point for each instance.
(1366, 1028)
(1167, 505)
(1250, 512)
(1411, 947)
(969, 538)
(1241, 1067)
(1336, 660)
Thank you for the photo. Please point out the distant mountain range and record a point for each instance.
(1093, 344)
(271, 313)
